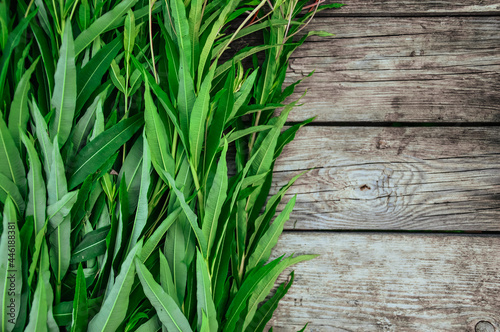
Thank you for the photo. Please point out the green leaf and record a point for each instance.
(25, 235)
(269, 240)
(219, 119)
(152, 325)
(11, 164)
(42, 137)
(131, 172)
(181, 26)
(155, 238)
(45, 275)
(243, 54)
(215, 200)
(60, 246)
(265, 155)
(57, 212)
(165, 101)
(216, 28)
(8, 188)
(117, 77)
(92, 245)
(191, 216)
(80, 306)
(95, 154)
(186, 96)
(204, 294)
(114, 308)
(64, 96)
(169, 313)
(256, 287)
(19, 113)
(56, 183)
(241, 97)
(37, 199)
(90, 76)
(265, 312)
(46, 52)
(129, 34)
(10, 46)
(262, 221)
(247, 131)
(39, 240)
(166, 278)
(157, 137)
(82, 129)
(99, 122)
(10, 268)
(101, 25)
(39, 309)
(141, 216)
(198, 119)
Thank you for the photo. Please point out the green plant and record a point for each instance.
(118, 121)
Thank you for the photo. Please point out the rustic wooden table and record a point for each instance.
(406, 152)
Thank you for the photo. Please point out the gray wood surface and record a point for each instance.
(391, 282)
(393, 178)
(415, 7)
(401, 69)
(396, 61)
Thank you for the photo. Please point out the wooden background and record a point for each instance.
(406, 152)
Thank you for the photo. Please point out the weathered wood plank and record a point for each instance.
(399, 178)
(444, 69)
(415, 7)
(391, 282)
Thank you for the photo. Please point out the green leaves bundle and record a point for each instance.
(136, 162)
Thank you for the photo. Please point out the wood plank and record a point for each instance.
(399, 178)
(414, 7)
(391, 282)
(429, 69)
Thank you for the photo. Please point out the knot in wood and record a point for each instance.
(484, 326)
(364, 187)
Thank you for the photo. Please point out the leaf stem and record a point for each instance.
(151, 3)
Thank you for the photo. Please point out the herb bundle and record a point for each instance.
(136, 157)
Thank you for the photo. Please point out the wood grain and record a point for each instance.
(430, 69)
(393, 178)
(414, 7)
(391, 282)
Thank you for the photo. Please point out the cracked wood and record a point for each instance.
(393, 178)
(390, 282)
(405, 69)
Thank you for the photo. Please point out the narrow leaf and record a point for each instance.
(204, 294)
(64, 96)
(37, 199)
(10, 268)
(114, 308)
(80, 306)
(11, 164)
(101, 25)
(95, 154)
(215, 200)
(141, 215)
(19, 113)
(169, 313)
